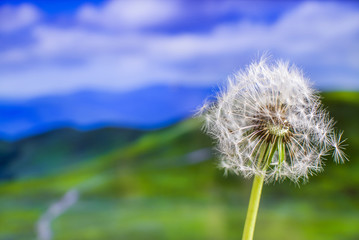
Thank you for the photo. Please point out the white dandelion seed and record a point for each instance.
(270, 122)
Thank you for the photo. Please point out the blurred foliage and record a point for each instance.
(165, 184)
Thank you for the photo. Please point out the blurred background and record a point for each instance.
(97, 139)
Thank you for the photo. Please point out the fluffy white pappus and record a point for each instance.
(270, 121)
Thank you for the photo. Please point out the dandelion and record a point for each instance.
(269, 123)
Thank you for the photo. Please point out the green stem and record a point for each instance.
(267, 153)
(253, 207)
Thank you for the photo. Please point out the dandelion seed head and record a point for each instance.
(270, 121)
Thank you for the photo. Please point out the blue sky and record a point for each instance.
(52, 47)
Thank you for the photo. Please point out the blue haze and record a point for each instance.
(147, 108)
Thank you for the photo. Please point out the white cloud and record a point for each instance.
(129, 13)
(310, 28)
(321, 37)
(13, 18)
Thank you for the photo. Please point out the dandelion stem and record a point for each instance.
(253, 207)
(267, 152)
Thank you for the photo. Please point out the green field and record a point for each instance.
(165, 184)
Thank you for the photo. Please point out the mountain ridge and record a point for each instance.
(148, 108)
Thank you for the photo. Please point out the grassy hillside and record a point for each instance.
(165, 185)
(59, 150)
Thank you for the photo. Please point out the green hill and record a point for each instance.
(58, 150)
(165, 185)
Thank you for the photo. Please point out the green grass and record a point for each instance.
(151, 189)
